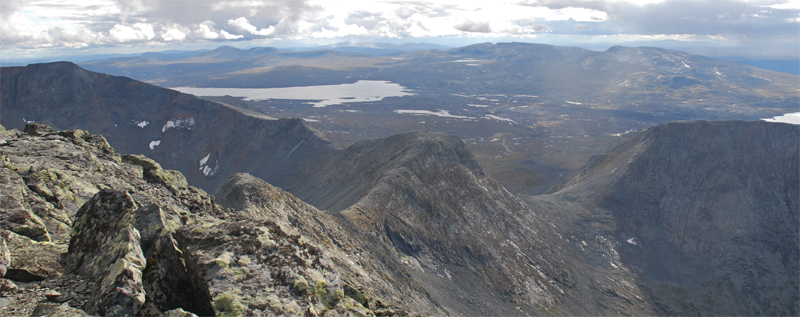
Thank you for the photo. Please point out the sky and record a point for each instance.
(36, 28)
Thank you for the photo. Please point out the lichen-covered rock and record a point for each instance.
(256, 200)
(143, 242)
(33, 260)
(153, 171)
(37, 128)
(105, 248)
(57, 310)
(129, 251)
(7, 286)
(254, 268)
(5, 254)
(15, 209)
(177, 312)
(171, 278)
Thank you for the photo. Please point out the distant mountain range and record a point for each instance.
(531, 113)
(684, 218)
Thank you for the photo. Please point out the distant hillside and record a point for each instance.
(531, 113)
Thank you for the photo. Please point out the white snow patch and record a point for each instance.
(499, 118)
(204, 160)
(479, 106)
(791, 118)
(762, 78)
(310, 120)
(154, 144)
(631, 241)
(686, 65)
(624, 133)
(526, 96)
(206, 169)
(573, 102)
(141, 124)
(440, 113)
(179, 123)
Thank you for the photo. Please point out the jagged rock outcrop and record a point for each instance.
(143, 242)
(706, 214)
(127, 250)
(32, 260)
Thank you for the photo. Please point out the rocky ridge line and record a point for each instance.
(119, 235)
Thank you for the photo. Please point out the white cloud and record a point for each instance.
(137, 32)
(173, 34)
(28, 24)
(791, 5)
(244, 24)
(227, 36)
(475, 27)
(205, 31)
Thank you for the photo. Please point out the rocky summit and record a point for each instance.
(87, 231)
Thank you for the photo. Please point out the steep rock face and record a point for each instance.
(705, 213)
(206, 140)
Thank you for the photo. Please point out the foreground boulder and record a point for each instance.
(128, 252)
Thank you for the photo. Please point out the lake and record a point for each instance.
(326, 95)
(793, 118)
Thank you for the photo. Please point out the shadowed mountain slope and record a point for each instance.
(420, 209)
(705, 213)
(206, 140)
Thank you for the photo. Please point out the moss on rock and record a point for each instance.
(229, 304)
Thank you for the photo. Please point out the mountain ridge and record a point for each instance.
(178, 130)
(415, 215)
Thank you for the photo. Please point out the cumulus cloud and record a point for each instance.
(227, 36)
(31, 24)
(472, 26)
(244, 24)
(206, 30)
(173, 34)
(757, 18)
(137, 32)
